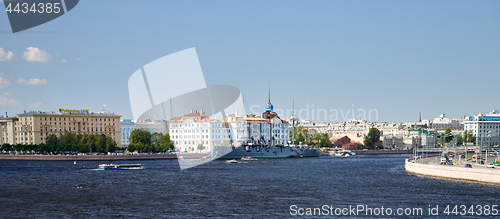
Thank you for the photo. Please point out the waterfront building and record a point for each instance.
(339, 142)
(441, 123)
(238, 128)
(34, 127)
(410, 142)
(7, 125)
(350, 146)
(269, 128)
(428, 139)
(128, 125)
(196, 130)
(389, 142)
(486, 128)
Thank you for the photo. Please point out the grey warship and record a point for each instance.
(268, 138)
(262, 152)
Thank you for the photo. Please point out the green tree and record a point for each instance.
(85, 141)
(372, 136)
(301, 135)
(110, 144)
(468, 137)
(447, 135)
(7, 147)
(166, 143)
(460, 139)
(68, 138)
(52, 140)
(100, 145)
(156, 142)
(131, 148)
(322, 139)
(200, 147)
(19, 147)
(44, 148)
(141, 139)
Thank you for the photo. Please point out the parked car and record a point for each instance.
(490, 165)
(443, 160)
(468, 166)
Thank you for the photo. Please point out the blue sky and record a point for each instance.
(398, 57)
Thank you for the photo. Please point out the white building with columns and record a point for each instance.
(197, 130)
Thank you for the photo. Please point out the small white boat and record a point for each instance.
(249, 158)
(232, 161)
(121, 167)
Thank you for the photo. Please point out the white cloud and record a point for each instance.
(64, 60)
(4, 101)
(5, 56)
(35, 105)
(7, 93)
(4, 82)
(34, 54)
(32, 81)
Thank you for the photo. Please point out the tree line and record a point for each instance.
(143, 141)
(303, 136)
(322, 140)
(68, 142)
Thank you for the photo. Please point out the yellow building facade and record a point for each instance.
(34, 127)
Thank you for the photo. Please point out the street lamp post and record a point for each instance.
(489, 143)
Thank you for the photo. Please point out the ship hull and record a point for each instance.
(229, 153)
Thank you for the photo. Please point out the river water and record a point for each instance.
(272, 188)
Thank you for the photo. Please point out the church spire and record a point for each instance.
(269, 106)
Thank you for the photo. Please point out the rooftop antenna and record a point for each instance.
(419, 117)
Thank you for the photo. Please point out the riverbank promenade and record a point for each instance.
(431, 166)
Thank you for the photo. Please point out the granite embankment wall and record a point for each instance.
(360, 152)
(454, 172)
(100, 157)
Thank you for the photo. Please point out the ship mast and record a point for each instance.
(293, 121)
(270, 121)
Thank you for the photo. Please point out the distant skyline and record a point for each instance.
(396, 57)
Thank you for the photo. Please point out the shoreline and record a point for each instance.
(99, 157)
(482, 175)
(370, 152)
